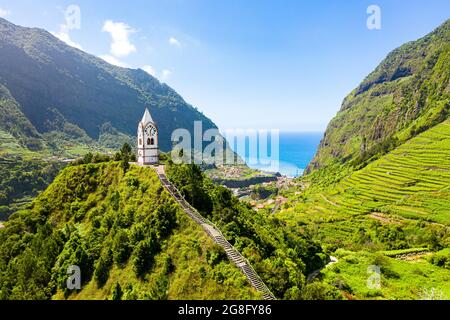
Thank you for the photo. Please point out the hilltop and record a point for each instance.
(131, 240)
(128, 236)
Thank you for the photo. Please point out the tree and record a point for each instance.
(101, 273)
(125, 165)
(125, 157)
(143, 256)
(126, 149)
(117, 292)
(320, 291)
(87, 158)
(121, 247)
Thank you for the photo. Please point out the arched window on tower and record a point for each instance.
(152, 141)
(140, 142)
(148, 141)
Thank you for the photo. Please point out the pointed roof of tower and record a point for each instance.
(147, 117)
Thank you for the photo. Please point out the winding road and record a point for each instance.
(315, 273)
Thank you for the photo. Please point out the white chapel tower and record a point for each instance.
(148, 151)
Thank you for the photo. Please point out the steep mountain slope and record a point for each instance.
(58, 102)
(57, 87)
(377, 192)
(408, 93)
(410, 183)
(127, 235)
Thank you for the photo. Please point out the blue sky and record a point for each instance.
(248, 63)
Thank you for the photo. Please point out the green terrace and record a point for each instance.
(410, 183)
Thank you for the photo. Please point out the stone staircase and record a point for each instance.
(217, 236)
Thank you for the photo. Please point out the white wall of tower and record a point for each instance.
(147, 136)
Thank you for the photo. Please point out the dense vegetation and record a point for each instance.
(22, 180)
(399, 202)
(57, 102)
(282, 255)
(124, 231)
(399, 279)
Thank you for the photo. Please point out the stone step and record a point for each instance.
(231, 252)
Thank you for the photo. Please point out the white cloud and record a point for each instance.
(4, 13)
(149, 70)
(174, 42)
(114, 61)
(121, 45)
(166, 74)
(64, 36)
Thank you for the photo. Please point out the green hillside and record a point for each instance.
(57, 102)
(407, 93)
(57, 88)
(408, 186)
(282, 255)
(393, 213)
(377, 192)
(128, 236)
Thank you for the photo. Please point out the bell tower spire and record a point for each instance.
(147, 133)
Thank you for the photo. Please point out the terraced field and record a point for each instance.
(412, 182)
(394, 213)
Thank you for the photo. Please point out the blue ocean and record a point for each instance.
(296, 150)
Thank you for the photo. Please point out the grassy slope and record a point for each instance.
(193, 278)
(410, 182)
(93, 203)
(406, 190)
(404, 280)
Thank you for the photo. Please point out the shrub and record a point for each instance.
(121, 247)
(441, 259)
(104, 264)
(143, 256)
(320, 291)
(216, 255)
(117, 292)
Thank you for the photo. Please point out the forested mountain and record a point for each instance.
(58, 102)
(48, 86)
(131, 240)
(407, 93)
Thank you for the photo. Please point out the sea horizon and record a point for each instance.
(296, 150)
